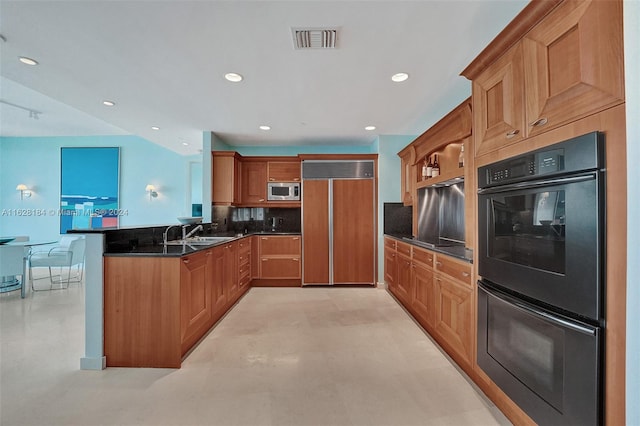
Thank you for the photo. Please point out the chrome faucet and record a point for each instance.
(165, 234)
(193, 231)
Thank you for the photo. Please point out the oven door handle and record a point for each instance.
(537, 184)
(584, 329)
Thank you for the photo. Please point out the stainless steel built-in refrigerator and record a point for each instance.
(338, 222)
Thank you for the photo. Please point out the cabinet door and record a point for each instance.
(424, 294)
(226, 178)
(573, 63)
(230, 271)
(254, 182)
(280, 267)
(315, 220)
(409, 175)
(353, 231)
(283, 171)
(279, 245)
(390, 267)
(219, 289)
(403, 279)
(454, 316)
(498, 103)
(195, 296)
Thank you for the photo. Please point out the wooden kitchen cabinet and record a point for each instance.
(196, 286)
(390, 264)
(230, 271)
(244, 264)
(568, 66)
(254, 182)
(403, 281)
(280, 257)
(408, 170)
(423, 301)
(225, 178)
(455, 311)
(284, 171)
(219, 290)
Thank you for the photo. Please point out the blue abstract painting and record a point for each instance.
(89, 188)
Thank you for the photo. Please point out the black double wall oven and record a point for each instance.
(541, 296)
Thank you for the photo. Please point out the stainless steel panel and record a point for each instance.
(351, 169)
(452, 213)
(428, 215)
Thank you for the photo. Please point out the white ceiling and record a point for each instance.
(163, 62)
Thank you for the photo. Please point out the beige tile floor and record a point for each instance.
(282, 356)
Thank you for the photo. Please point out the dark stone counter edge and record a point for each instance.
(160, 250)
(459, 252)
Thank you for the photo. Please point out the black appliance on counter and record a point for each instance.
(541, 259)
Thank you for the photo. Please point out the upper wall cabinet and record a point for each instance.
(568, 66)
(226, 178)
(284, 171)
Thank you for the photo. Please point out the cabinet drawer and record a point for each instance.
(456, 269)
(244, 259)
(403, 248)
(279, 245)
(390, 243)
(423, 256)
(280, 267)
(244, 245)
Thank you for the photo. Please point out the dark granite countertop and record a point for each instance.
(457, 251)
(162, 250)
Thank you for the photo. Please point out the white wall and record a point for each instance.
(632, 83)
(35, 161)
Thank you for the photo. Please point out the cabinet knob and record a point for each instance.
(272, 179)
(539, 122)
(185, 260)
(438, 263)
(512, 133)
(465, 274)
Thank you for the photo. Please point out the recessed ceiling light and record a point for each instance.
(399, 77)
(185, 144)
(108, 103)
(233, 77)
(27, 61)
(155, 128)
(265, 127)
(370, 128)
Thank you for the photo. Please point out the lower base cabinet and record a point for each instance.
(157, 308)
(437, 291)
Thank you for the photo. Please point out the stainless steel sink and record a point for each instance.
(199, 241)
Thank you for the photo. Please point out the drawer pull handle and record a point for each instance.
(539, 122)
(296, 238)
(272, 179)
(438, 263)
(264, 238)
(465, 274)
(185, 260)
(512, 133)
(295, 258)
(264, 260)
(296, 179)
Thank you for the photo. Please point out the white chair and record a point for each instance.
(69, 253)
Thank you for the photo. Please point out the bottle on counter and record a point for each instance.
(429, 168)
(461, 156)
(435, 171)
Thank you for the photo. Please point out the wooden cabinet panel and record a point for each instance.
(425, 257)
(403, 248)
(353, 231)
(424, 294)
(280, 267)
(456, 269)
(409, 174)
(315, 217)
(244, 264)
(225, 178)
(454, 317)
(279, 245)
(403, 281)
(142, 312)
(389, 243)
(283, 171)
(195, 297)
(390, 267)
(230, 271)
(254, 182)
(574, 63)
(219, 289)
(498, 103)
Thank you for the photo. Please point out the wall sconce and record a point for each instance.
(24, 191)
(152, 191)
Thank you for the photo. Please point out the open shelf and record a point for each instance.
(444, 177)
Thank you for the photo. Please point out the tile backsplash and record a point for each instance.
(255, 219)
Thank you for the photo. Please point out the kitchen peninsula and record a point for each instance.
(161, 298)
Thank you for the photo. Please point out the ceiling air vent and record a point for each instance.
(314, 38)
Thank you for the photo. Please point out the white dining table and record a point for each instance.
(14, 257)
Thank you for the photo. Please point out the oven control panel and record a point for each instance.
(574, 155)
